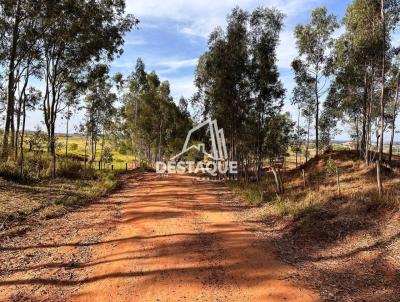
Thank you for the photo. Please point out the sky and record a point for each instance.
(172, 34)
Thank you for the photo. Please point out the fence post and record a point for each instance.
(126, 167)
(112, 167)
(99, 165)
(338, 180)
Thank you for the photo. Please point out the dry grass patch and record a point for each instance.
(49, 199)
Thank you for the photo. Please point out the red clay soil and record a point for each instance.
(157, 239)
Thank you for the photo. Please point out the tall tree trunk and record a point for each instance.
(16, 137)
(364, 138)
(394, 113)
(382, 103)
(11, 84)
(53, 148)
(258, 152)
(308, 140)
(22, 135)
(85, 159)
(357, 135)
(103, 141)
(316, 116)
(369, 123)
(159, 141)
(21, 104)
(298, 147)
(67, 133)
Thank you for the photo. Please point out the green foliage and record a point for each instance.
(123, 151)
(314, 42)
(73, 146)
(253, 193)
(154, 125)
(106, 183)
(10, 171)
(36, 163)
(279, 130)
(238, 84)
(107, 155)
(283, 206)
(69, 168)
(37, 141)
(330, 167)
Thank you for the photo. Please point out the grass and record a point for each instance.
(48, 199)
(76, 147)
(272, 203)
(357, 200)
(283, 206)
(253, 193)
(34, 193)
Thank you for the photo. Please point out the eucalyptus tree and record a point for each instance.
(330, 116)
(153, 124)
(395, 85)
(265, 27)
(362, 23)
(19, 29)
(100, 108)
(11, 19)
(135, 85)
(280, 131)
(71, 100)
(30, 100)
(390, 14)
(222, 78)
(238, 82)
(348, 91)
(27, 69)
(304, 98)
(314, 42)
(81, 34)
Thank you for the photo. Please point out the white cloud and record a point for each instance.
(286, 51)
(182, 86)
(134, 41)
(161, 64)
(197, 18)
(396, 38)
(200, 17)
(173, 65)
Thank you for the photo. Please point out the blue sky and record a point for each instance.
(172, 34)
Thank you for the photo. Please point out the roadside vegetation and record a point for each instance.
(347, 81)
(49, 199)
(129, 121)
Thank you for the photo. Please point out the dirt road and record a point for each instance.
(157, 239)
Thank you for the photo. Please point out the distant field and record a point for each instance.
(76, 146)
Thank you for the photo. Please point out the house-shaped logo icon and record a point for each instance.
(218, 144)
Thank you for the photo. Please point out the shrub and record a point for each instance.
(253, 193)
(285, 207)
(69, 168)
(10, 171)
(330, 167)
(35, 163)
(107, 155)
(104, 185)
(73, 146)
(123, 150)
(60, 146)
(144, 167)
(37, 140)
